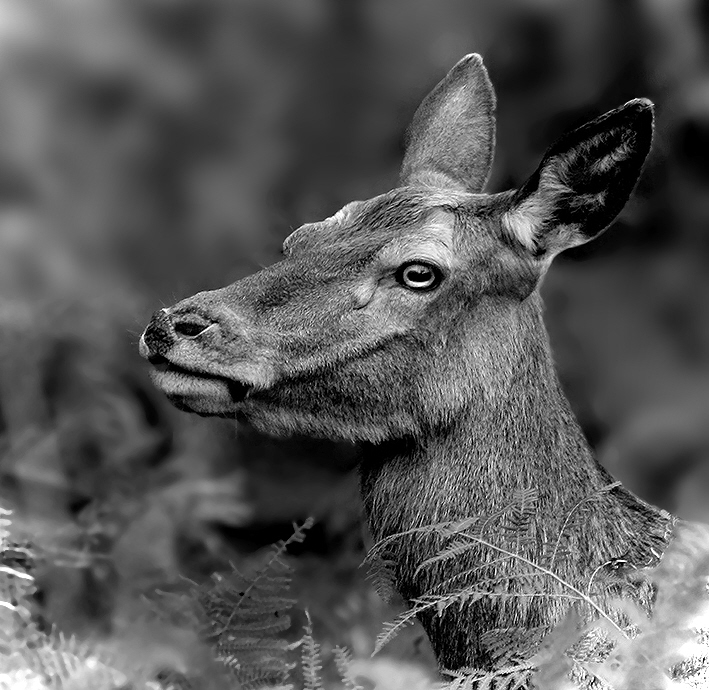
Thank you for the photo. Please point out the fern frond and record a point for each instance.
(259, 627)
(513, 520)
(514, 517)
(450, 552)
(657, 655)
(440, 603)
(566, 585)
(383, 545)
(572, 514)
(242, 615)
(551, 554)
(343, 663)
(257, 676)
(506, 678)
(380, 572)
(446, 584)
(26, 652)
(510, 646)
(311, 658)
(268, 576)
(521, 512)
(393, 628)
(475, 524)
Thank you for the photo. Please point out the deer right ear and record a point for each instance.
(451, 139)
(583, 182)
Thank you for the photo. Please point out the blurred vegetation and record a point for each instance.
(153, 148)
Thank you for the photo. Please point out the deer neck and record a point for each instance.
(523, 437)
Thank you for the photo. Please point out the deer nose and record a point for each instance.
(165, 330)
(190, 325)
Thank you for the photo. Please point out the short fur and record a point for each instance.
(451, 392)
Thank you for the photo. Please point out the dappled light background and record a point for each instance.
(150, 149)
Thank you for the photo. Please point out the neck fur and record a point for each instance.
(526, 438)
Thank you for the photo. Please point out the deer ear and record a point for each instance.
(451, 139)
(583, 182)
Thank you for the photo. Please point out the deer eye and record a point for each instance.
(416, 275)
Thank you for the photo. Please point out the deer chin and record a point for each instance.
(193, 391)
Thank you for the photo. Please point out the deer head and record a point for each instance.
(388, 318)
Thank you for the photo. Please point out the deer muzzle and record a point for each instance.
(182, 348)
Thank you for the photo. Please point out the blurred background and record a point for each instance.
(153, 148)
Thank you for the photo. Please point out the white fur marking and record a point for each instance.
(610, 160)
(343, 214)
(523, 223)
(521, 227)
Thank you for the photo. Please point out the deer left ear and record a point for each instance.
(451, 139)
(583, 182)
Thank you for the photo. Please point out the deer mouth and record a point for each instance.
(197, 391)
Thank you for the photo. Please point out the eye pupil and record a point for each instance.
(416, 274)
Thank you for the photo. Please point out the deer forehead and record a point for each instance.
(432, 241)
(386, 230)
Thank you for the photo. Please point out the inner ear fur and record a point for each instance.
(451, 139)
(583, 181)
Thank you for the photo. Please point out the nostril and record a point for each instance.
(190, 329)
(156, 359)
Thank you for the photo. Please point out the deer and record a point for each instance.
(410, 324)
